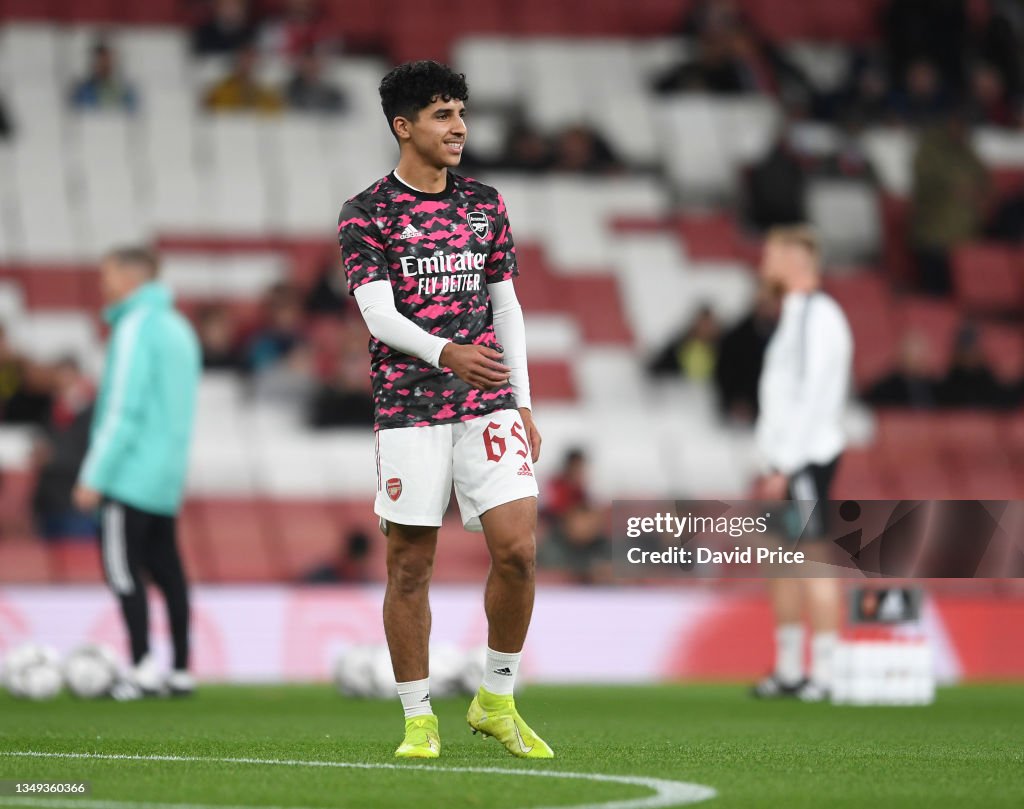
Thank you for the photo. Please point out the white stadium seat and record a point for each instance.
(845, 214)
(891, 152)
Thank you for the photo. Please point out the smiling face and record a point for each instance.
(436, 134)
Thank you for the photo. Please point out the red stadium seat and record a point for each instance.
(968, 435)
(899, 264)
(31, 9)
(24, 559)
(1004, 350)
(713, 236)
(552, 381)
(781, 21)
(92, 11)
(938, 321)
(537, 287)
(846, 22)
(987, 279)
(76, 561)
(860, 476)
(192, 542)
(462, 557)
(867, 302)
(238, 544)
(307, 534)
(158, 12)
(597, 306)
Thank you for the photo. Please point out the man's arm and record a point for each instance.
(477, 365)
(510, 329)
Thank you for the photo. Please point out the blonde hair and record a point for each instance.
(798, 236)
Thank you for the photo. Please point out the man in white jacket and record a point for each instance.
(803, 391)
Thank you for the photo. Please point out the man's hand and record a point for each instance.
(773, 487)
(478, 366)
(86, 499)
(532, 433)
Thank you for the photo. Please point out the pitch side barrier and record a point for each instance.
(920, 539)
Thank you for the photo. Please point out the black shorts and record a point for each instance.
(811, 488)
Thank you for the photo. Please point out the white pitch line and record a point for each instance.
(666, 793)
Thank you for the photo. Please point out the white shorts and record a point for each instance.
(487, 458)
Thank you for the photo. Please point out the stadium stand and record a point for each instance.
(612, 264)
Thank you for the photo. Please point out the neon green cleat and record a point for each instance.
(421, 738)
(496, 716)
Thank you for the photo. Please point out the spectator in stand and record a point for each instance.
(300, 28)
(345, 399)
(329, 296)
(692, 353)
(102, 88)
(935, 31)
(218, 339)
(526, 150)
(240, 91)
(31, 400)
(281, 332)
(740, 357)
(921, 99)
(581, 150)
(866, 93)
(970, 381)
(776, 187)
(351, 564)
(576, 540)
(308, 91)
(228, 28)
(990, 104)
(951, 186)
(288, 382)
(59, 455)
(911, 383)
(568, 489)
(6, 127)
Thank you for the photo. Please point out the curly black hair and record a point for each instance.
(414, 85)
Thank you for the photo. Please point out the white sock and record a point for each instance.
(823, 647)
(415, 696)
(500, 671)
(789, 653)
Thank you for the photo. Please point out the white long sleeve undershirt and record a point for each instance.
(376, 302)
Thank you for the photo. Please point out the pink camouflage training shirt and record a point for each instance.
(439, 251)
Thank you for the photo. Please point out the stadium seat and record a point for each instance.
(891, 152)
(307, 534)
(238, 543)
(845, 214)
(988, 278)
(938, 321)
(552, 380)
(76, 561)
(692, 150)
(24, 560)
(597, 306)
(867, 303)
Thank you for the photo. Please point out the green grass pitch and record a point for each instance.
(967, 750)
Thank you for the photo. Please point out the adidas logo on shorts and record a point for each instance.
(525, 469)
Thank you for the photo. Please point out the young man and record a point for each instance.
(134, 471)
(803, 392)
(429, 257)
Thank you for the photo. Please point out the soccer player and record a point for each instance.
(803, 391)
(134, 471)
(429, 257)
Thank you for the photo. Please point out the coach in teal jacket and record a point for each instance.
(142, 426)
(135, 469)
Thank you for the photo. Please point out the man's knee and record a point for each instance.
(515, 560)
(411, 559)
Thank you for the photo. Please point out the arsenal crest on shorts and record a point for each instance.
(479, 222)
(394, 488)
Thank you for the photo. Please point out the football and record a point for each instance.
(91, 671)
(32, 671)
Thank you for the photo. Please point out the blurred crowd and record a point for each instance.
(704, 351)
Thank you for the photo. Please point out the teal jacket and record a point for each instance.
(142, 425)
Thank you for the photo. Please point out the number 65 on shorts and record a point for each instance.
(487, 458)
